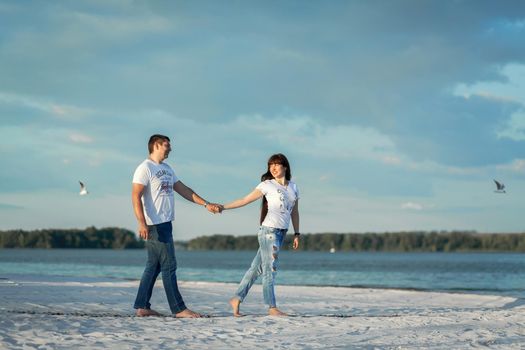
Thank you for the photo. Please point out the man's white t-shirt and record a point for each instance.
(281, 200)
(158, 198)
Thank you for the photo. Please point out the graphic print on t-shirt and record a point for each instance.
(165, 188)
(283, 206)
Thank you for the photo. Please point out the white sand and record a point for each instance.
(78, 313)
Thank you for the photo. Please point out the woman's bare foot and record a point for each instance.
(235, 303)
(146, 312)
(187, 314)
(273, 311)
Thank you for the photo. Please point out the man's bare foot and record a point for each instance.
(235, 303)
(187, 314)
(273, 311)
(146, 312)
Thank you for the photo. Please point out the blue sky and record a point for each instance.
(395, 115)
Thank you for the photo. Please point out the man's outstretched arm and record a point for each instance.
(190, 195)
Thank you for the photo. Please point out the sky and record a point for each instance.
(395, 115)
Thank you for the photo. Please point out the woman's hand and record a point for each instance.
(296, 242)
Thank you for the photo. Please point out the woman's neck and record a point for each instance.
(281, 180)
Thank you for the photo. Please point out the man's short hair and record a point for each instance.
(154, 139)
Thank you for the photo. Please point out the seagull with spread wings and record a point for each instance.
(83, 189)
(500, 187)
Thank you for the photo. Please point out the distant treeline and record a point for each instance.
(386, 242)
(119, 238)
(91, 237)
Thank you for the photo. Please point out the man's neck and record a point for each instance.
(155, 158)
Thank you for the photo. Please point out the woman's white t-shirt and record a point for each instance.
(281, 200)
(158, 198)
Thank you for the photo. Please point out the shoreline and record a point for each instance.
(518, 294)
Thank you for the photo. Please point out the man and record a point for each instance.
(153, 203)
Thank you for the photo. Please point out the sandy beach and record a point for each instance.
(85, 313)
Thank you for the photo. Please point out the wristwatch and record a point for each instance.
(206, 204)
(297, 234)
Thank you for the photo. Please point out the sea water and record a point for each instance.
(488, 273)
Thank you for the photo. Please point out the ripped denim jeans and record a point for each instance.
(265, 263)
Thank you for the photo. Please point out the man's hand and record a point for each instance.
(143, 232)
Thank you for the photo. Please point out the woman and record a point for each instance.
(279, 206)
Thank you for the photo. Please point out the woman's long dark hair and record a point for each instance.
(278, 158)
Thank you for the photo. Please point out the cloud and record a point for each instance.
(412, 206)
(325, 177)
(393, 160)
(5, 206)
(83, 29)
(80, 138)
(514, 129)
(310, 135)
(59, 111)
(511, 90)
(516, 166)
(64, 27)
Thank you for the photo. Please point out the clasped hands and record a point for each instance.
(215, 208)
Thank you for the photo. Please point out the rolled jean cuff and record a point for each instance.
(178, 308)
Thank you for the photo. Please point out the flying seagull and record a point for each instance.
(83, 189)
(500, 187)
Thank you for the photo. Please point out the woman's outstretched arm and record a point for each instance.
(241, 202)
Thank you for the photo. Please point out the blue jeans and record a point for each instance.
(161, 258)
(265, 264)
